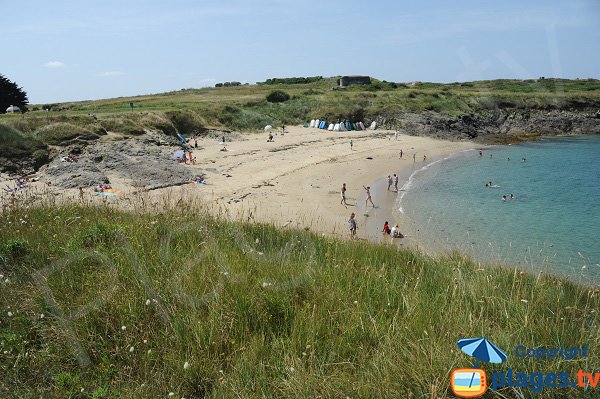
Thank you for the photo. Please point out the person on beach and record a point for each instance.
(414, 158)
(395, 182)
(386, 228)
(424, 158)
(350, 144)
(389, 181)
(343, 192)
(396, 135)
(352, 225)
(401, 153)
(395, 232)
(369, 199)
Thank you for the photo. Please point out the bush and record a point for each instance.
(17, 146)
(187, 121)
(278, 96)
(40, 157)
(16, 248)
(63, 134)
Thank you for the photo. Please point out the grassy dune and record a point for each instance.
(245, 107)
(116, 303)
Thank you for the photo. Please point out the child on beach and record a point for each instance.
(386, 228)
(352, 225)
(343, 192)
(368, 190)
(395, 182)
(389, 181)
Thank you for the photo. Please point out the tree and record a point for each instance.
(11, 94)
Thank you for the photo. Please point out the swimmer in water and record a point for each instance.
(504, 198)
(512, 196)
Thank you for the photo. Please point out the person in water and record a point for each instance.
(504, 198)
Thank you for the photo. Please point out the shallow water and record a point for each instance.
(553, 224)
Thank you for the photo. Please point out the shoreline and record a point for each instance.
(387, 206)
(294, 181)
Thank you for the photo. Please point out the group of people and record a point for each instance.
(393, 181)
(69, 158)
(20, 184)
(394, 231)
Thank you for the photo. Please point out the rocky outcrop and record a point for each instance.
(146, 162)
(493, 126)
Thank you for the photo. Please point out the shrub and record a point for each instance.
(187, 121)
(16, 248)
(277, 96)
(40, 157)
(63, 134)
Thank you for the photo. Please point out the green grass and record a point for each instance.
(16, 146)
(245, 107)
(256, 311)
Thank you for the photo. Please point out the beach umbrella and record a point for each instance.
(482, 349)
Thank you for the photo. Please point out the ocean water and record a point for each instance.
(552, 224)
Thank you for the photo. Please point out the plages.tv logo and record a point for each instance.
(472, 382)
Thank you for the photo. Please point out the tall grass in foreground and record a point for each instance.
(101, 303)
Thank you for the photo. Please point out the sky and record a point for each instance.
(64, 50)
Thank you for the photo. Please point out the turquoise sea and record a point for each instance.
(551, 225)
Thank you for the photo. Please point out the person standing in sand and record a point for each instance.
(369, 199)
(424, 158)
(401, 153)
(395, 182)
(414, 158)
(350, 144)
(343, 192)
(352, 225)
(389, 181)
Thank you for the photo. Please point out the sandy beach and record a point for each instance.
(295, 180)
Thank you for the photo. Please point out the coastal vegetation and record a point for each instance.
(100, 303)
(498, 111)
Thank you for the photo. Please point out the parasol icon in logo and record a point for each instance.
(472, 382)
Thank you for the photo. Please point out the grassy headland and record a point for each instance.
(492, 111)
(110, 304)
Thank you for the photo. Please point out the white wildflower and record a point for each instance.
(292, 369)
(149, 351)
(145, 341)
(148, 302)
(524, 300)
(355, 302)
(265, 284)
(186, 365)
(131, 349)
(42, 316)
(123, 328)
(10, 314)
(171, 394)
(257, 241)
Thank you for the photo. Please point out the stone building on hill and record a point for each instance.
(354, 80)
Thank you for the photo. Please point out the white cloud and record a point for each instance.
(111, 73)
(54, 64)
